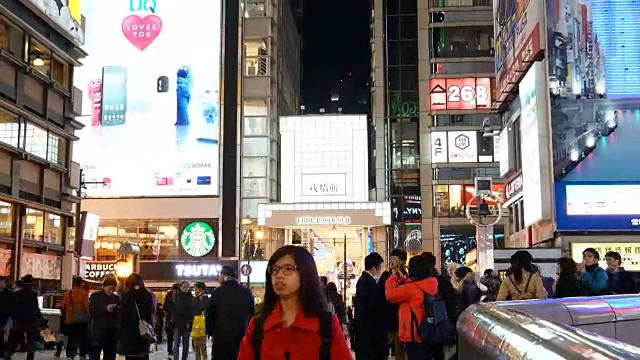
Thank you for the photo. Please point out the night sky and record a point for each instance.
(336, 44)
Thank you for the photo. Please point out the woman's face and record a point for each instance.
(589, 259)
(285, 277)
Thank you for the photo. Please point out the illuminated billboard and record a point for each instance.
(520, 39)
(586, 206)
(460, 94)
(66, 14)
(462, 147)
(151, 87)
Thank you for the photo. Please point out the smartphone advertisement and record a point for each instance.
(151, 109)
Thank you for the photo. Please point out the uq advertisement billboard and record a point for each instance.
(151, 106)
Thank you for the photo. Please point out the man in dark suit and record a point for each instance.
(370, 328)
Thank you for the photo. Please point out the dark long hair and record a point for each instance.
(332, 292)
(521, 261)
(567, 267)
(311, 294)
(134, 282)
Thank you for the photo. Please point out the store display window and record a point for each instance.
(158, 239)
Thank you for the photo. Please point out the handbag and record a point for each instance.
(78, 316)
(147, 332)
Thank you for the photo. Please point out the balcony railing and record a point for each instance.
(463, 53)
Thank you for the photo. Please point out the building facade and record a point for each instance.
(433, 80)
(271, 87)
(37, 108)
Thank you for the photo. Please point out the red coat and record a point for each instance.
(301, 339)
(410, 296)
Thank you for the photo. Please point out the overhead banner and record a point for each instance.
(460, 94)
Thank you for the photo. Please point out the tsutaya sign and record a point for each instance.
(97, 270)
(323, 220)
(198, 270)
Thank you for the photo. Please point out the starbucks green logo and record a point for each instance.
(197, 239)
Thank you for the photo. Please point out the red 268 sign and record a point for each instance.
(460, 94)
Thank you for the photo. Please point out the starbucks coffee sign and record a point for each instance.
(197, 239)
(98, 270)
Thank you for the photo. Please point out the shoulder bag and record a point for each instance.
(145, 329)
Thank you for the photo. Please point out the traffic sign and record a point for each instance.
(245, 270)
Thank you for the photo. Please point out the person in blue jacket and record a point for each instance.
(594, 280)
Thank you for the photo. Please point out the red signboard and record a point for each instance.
(460, 94)
(509, 78)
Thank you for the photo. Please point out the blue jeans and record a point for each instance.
(181, 337)
(417, 351)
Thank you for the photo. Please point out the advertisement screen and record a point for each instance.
(585, 206)
(460, 94)
(152, 104)
(535, 165)
(630, 253)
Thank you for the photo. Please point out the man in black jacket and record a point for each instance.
(370, 329)
(230, 308)
(168, 311)
(182, 313)
(397, 260)
(6, 309)
(104, 306)
(26, 315)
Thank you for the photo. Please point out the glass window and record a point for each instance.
(257, 66)
(255, 125)
(405, 156)
(39, 57)
(53, 229)
(6, 219)
(60, 72)
(258, 146)
(403, 52)
(465, 41)
(55, 149)
(274, 190)
(9, 128)
(449, 200)
(255, 187)
(11, 38)
(33, 225)
(157, 239)
(36, 141)
(254, 167)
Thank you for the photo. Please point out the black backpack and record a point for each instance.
(326, 331)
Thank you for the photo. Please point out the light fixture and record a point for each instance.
(31, 219)
(259, 234)
(334, 232)
(38, 62)
(124, 268)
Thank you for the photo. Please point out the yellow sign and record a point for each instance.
(630, 253)
(74, 10)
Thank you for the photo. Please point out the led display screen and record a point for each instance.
(151, 87)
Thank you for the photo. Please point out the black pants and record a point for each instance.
(170, 329)
(137, 357)
(25, 334)
(225, 349)
(77, 339)
(106, 343)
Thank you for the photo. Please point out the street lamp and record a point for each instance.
(334, 235)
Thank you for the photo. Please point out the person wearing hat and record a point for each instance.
(104, 307)
(230, 309)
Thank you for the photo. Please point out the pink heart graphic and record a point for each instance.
(141, 32)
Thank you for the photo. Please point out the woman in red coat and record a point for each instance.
(294, 323)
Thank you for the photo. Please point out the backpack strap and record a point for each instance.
(257, 335)
(526, 287)
(326, 335)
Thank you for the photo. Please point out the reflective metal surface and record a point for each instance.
(614, 316)
(491, 331)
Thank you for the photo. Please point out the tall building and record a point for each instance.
(271, 87)
(433, 78)
(38, 102)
